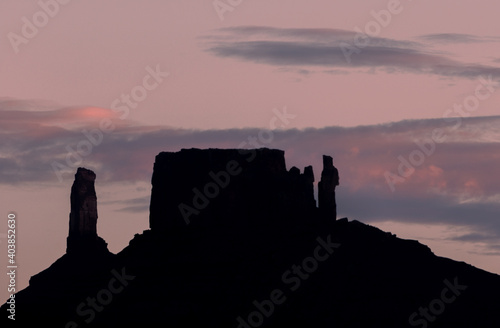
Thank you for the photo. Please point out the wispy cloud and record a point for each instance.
(476, 237)
(134, 205)
(323, 48)
(457, 38)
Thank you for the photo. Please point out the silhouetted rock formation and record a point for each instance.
(326, 189)
(302, 188)
(82, 235)
(193, 185)
(83, 216)
(253, 251)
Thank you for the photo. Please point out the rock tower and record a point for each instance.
(326, 189)
(83, 216)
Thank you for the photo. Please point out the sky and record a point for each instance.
(403, 94)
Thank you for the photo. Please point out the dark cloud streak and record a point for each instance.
(326, 48)
(457, 38)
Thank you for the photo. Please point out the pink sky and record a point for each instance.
(200, 81)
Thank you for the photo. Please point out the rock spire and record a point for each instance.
(83, 216)
(326, 189)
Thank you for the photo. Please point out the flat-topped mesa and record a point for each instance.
(326, 189)
(228, 187)
(83, 216)
(210, 186)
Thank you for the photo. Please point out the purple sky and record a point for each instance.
(409, 109)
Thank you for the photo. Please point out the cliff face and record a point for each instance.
(202, 187)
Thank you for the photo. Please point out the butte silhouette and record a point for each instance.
(236, 240)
